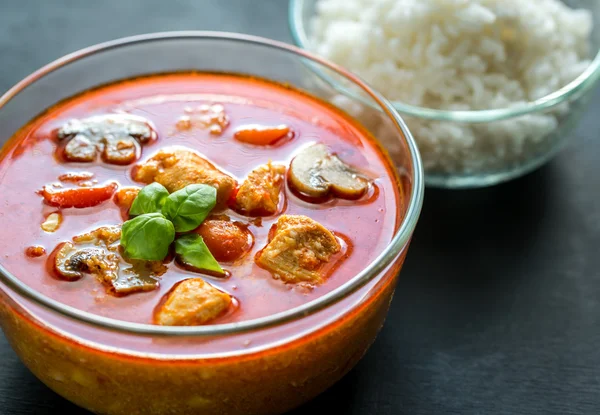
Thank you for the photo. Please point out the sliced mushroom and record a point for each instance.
(63, 264)
(122, 151)
(316, 172)
(137, 275)
(80, 148)
(97, 253)
(117, 137)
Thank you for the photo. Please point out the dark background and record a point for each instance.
(498, 307)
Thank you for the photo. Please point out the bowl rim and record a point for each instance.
(578, 86)
(380, 263)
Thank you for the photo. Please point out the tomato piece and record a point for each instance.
(78, 198)
(35, 251)
(227, 241)
(261, 135)
(125, 196)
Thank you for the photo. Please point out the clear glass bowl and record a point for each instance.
(549, 120)
(262, 366)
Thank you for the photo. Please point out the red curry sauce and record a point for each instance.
(172, 103)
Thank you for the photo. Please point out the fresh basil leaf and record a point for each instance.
(188, 207)
(192, 250)
(149, 200)
(147, 237)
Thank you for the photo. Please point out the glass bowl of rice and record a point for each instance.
(490, 89)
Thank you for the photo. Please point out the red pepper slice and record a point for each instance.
(79, 198)
(261, 135)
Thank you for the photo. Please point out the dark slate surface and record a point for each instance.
(498, 307)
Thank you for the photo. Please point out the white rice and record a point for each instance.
(461, 55)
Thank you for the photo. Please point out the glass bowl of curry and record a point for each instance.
(192, 225)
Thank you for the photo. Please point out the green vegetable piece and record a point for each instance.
(147, 237)
(149, 200)
(192, 250)
(188, 207)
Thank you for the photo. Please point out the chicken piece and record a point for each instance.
(259, 194)
(226, 240)
(175, 168)
(117, 137)
(299, 249)
(97, 253)
(191, 303)
(125, 196)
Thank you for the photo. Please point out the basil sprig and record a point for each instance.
(192, 250)
(149, 200)
(187, 208)
(158, 215)
(147, 237)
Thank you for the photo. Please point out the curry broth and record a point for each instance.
(29, 162)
